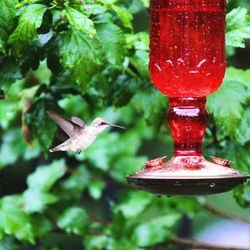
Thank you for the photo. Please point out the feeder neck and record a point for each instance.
(187, 119)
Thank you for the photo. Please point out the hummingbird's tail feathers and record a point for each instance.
(57, 148)
(66, 146)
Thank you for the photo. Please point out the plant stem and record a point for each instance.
(201, 245)
(100, 220)
(223, 213)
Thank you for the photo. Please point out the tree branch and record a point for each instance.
(201, 245)
(223, 213)
(99, 220)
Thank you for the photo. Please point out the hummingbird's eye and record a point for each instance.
(103, 123)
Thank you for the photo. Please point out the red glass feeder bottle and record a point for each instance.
(187, 63)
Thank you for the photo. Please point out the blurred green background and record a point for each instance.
(90, 59)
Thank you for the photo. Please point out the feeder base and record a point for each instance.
(187, 186)
(187, 175)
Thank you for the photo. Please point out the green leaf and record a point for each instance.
(7, 20)
(45, 176)
(13, 148)
(98, 242)
(37, 197)
(228, 113)
(238, 27)
(99, 153)
(42, 126)
(155, 230)
(73, 220)
(73, 187)
(242, 195)
(1, 45)
(80, 55)
(124, 15)
(41, 225)
(8, 244)
(240, 76)
(242, 158)
(9, 72)
(36, 201)
(140, 61)
(95, 188)
(26, 30)
(127, 89)
(243, 132)
(125, 166)
(145, 3)
(80, 21)
(112, 41)
(7, 114)
(97, 9)
(134, 204)
(239, 155)
(11, 140)
(153, 104)
(185, 205)
(13, 221)
(107, 1)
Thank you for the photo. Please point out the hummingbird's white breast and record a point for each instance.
(85, 138)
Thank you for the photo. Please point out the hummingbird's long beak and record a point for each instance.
(116, 126)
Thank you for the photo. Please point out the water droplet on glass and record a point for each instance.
(170, 62)
(158, 67)
(201, 63)
(193, 72)
(180, 61)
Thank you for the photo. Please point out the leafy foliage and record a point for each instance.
(237, 27)
(26, 32)
(229, 114)
(79, 56)
(14, 221)
(74, 220)
(89, 59)
(7, 21)
(80, 21)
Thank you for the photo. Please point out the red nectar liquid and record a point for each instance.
(187, 46)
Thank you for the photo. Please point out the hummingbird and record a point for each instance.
(80, 135)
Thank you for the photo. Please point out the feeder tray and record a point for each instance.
(180, 176)
(187, 186)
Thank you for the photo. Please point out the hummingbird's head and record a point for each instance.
(100, 124)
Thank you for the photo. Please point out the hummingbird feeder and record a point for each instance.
(187, 63)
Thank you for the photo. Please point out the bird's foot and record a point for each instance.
(78, 151)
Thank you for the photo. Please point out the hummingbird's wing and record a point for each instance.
(78, 121)
(71, 128)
